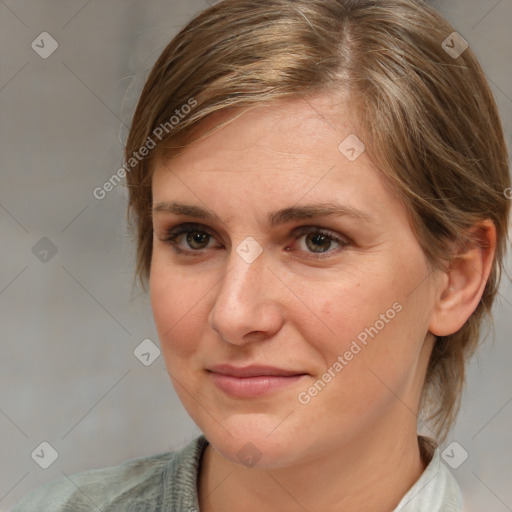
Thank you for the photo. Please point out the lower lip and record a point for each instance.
(248, 387)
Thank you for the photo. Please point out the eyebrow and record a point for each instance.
(274, 218)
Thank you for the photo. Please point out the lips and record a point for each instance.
(253, 371)
(252, 381)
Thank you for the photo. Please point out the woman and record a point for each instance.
(317, 190)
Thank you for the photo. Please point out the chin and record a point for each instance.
(258, 453)
(253, 445)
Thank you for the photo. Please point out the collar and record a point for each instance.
(436, 490)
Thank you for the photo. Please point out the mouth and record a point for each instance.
(252, 381)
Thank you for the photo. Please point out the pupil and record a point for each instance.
(196, 237)
(319, 239)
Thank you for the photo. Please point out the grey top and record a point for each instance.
(168, 483)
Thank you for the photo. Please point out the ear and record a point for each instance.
(461, 288)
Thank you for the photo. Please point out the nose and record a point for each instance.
(247, 306)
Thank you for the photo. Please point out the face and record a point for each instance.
(299, 331)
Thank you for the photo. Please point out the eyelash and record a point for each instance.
(172, 234)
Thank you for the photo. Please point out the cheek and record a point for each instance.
(342, 310)
(376, 326)
(177, 302)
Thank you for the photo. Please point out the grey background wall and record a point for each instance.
(69, 319)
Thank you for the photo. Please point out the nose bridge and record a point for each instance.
(244, 301)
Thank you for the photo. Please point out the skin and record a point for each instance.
(289, 310)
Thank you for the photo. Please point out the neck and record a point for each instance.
(372, 472)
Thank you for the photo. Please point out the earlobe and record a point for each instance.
(460, 291)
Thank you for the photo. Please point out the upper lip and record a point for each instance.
(252, 371)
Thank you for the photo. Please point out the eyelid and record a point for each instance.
(170, 234)
(311, 228)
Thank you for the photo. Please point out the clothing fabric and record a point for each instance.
(168, 483)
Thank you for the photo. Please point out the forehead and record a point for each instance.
(296, 132)
(297, 123)
(286, 152)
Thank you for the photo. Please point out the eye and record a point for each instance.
(196, 238)
(318, 241)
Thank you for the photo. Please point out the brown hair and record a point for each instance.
(430, 123)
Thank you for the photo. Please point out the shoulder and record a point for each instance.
(137, 484)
